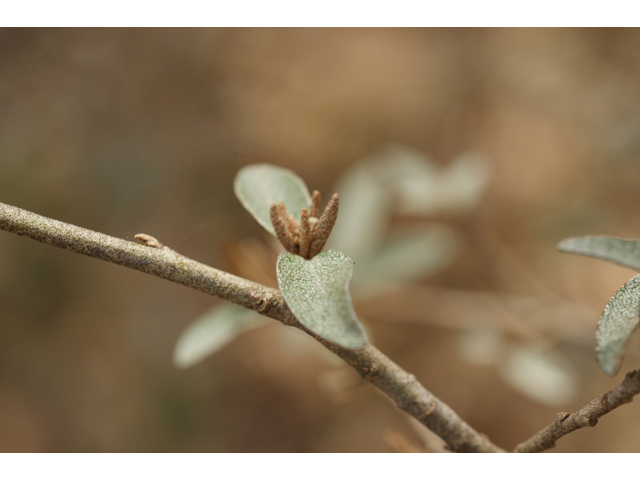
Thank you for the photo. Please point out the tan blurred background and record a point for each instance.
(129, 131)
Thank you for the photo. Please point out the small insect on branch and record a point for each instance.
(308, 236)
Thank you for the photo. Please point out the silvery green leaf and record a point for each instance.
(367, 191)
(617, 250)
(396, 165)
(364, 212)
(213, 331)
(411, 255)
(617, 323)
(482, 345)
(423, 188)
(258, 186)
(317, 293)
(542, 374)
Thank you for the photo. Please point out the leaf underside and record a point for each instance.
(317, 293)
(617, 250)
(617, 323)
(260, 185)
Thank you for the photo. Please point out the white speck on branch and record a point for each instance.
(402, 387)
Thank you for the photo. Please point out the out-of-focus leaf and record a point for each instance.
(396, 165)
(364, 212)
(411, 255)
(424, 189)
(317, 293)
(211, 332)
(258, 186)
(617, 250)
(367, 191)
(617, 323)
(481, 345)
(541, 374)
(415, 184)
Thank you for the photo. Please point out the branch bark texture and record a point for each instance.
(401, 386)
(587, 416)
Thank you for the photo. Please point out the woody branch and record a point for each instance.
(587, 416)
(376, 368)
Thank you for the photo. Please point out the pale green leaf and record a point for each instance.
(317, 293)
(617, 250)
(411, 254)
(404, 180)
(213, 331)
(422, 187)
(540, 373)
(364, 212)
(258, 186)
(617, 323)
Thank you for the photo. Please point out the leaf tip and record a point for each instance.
(564, 245)
(180, 359)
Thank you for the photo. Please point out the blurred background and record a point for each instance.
(462, 156)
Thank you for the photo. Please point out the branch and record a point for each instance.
(403, 388)
(587, 416)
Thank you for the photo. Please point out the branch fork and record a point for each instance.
(308, 236)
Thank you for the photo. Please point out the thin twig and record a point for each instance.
(402, 387)
(587, 416)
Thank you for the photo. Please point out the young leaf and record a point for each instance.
(317, 293)
(617, 323)
(617, 250)
(211, 332)
(258, 186)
